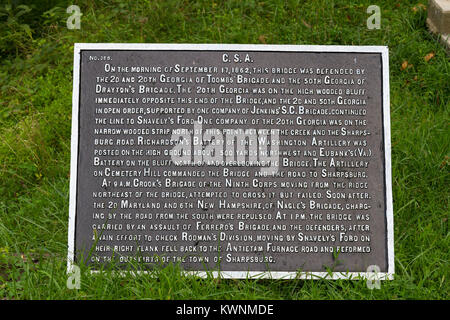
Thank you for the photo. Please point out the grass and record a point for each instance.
(35, 118)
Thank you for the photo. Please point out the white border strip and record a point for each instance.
(387, 161)
(267, 275)
(73, 158)
(383, 50)
(231, 47)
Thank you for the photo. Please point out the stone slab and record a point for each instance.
(326, 211)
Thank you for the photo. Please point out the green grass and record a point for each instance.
(35, 119)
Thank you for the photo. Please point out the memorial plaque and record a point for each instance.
(243, 160)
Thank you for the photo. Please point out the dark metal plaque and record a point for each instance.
(242, 160)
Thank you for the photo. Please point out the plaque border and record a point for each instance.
(389, 215)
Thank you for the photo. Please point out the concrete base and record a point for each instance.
(438, 19)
